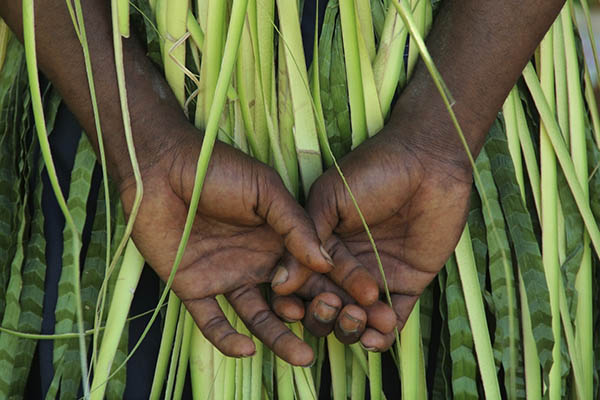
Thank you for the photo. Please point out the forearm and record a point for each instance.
(60, 57)
(480, 48)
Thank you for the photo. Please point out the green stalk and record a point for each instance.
(88, 67)
(357, 389)
(201, 365)
(305, 130)
(184, 358)
(303, 379)
(315, 88)
(127, 281)
(38, 114)
(410, 354)
(365, 25)
(420, 16)
(572, 347)
(584, 319)
(175, 353)
(588, 22)
(166, 346)
(512, 135)
(211, 60)
(174, 50)
(123, 12)
(560, 78)
(476, 312)
(531, 163)
(590, 98)
(337, 361)
(375, 378)
(219, 374)
(533, 381)
(553, 132)
(389, 61)
(374, 116)
(232, 42)
(549, 216)
(257, 363)
(285, 380)
(353, 73)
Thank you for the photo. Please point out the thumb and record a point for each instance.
(283, 213)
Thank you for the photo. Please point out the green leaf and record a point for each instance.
(464, 366)
(503, 285)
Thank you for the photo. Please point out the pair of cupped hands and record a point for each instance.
(322, 268)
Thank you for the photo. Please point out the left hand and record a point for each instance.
(415, 203)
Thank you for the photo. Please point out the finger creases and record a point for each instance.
(264, 324)
(351, 275)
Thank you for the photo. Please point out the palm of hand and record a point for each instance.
(415, 210)
(232, 247)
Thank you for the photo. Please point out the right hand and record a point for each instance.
(245, 219)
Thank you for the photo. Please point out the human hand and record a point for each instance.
(244, 221)
(415, 203)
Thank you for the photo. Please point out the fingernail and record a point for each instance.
(326, 255)
(281, 276)
(368, 348)
(324, 312)
(349, 324)
(312, 363)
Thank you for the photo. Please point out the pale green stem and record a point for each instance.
(305, 129)
(357, 389)
(184, 358)
(549, 216)
(590, 98)
(174, 51)
(533, 381)
(211, 60)
(353, 74)
(476, 312)
(175, 353)
(127, 281)
(389, 60)
(40, 125)
(201, 369)
(88, 67)
(5, 34)
(584, 319)
(410, 354)
(554, 135)
(285, 380)
(375, 377)
(123, 12)
(365, 25)
(166, 346)
(337, 362)
(257, 363)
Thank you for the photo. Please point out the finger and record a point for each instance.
(216, 328)
(321, 314)
(283, 213)
(289, 308)
(350, 324)
(262, 322)
(351, 275)
(289, 276)
(403, 305)
(381, 317)
(373, 340)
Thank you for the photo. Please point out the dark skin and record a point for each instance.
(412, 181)
(246, 217)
